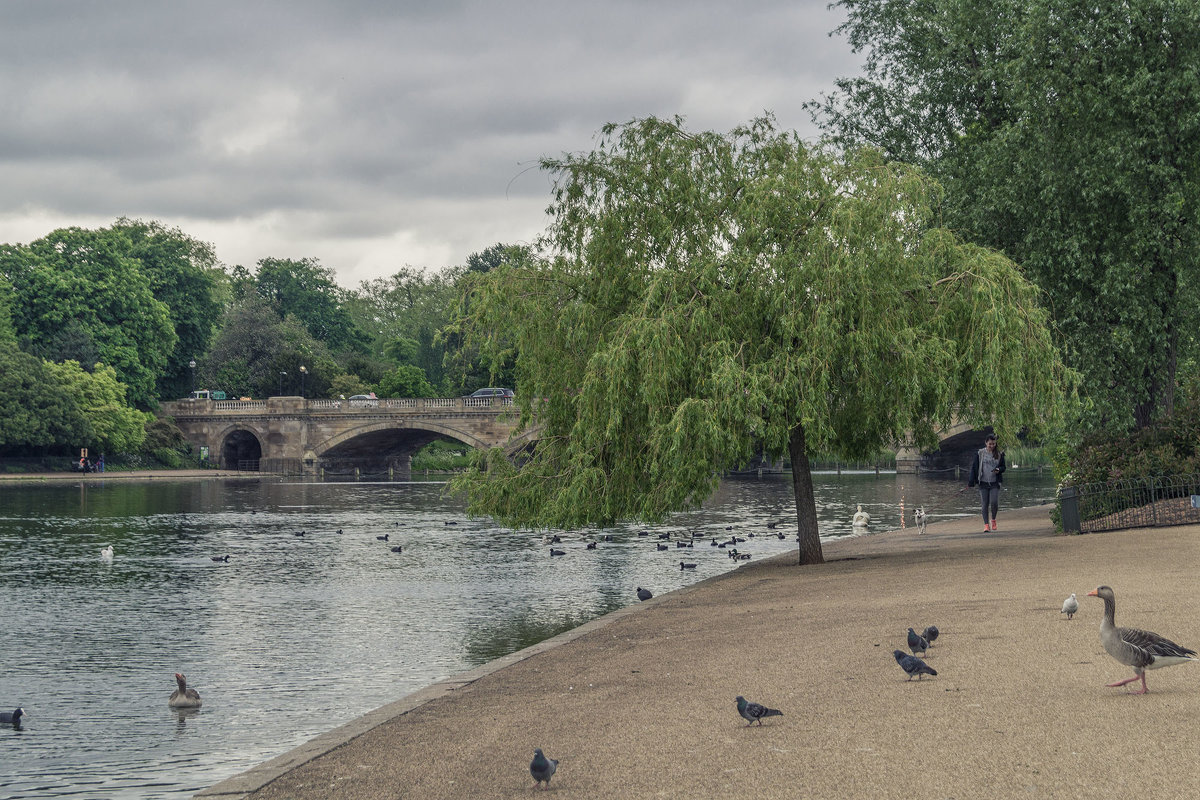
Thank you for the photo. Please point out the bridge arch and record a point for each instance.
(446, 431)
(236, 444)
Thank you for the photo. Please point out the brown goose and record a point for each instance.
(1139, 649)
(183, 697)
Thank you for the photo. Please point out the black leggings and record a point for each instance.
(989, 495)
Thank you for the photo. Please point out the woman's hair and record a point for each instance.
(991, 437)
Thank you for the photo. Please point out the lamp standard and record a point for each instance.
(192, 366)
(303, 372)
(281, 374)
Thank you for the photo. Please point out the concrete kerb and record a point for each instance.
(245, 783)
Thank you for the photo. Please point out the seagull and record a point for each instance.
(930, 634)
(861, 518)
(11, 717)
(183, 697)
(1135, 648)
(913, 665)
(542, 768)
(1070, 606)
(754, 712)
(644, 594)
(917, 642)
(106, 553)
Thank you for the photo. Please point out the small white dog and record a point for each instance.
(919, 514)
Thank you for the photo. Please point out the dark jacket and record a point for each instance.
(974, 477)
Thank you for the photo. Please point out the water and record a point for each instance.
(296, 635)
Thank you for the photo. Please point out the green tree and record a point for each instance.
(405, 380)
(308, 291)
(185, 276)
(1068, 136)
(36, 413)
(88, 278)
(112, 426)
(704, 295)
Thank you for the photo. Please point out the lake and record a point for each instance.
(297, 634)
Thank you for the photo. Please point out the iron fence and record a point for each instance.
(1134, 503)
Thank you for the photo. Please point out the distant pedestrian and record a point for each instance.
(100, 463)
(986, 472)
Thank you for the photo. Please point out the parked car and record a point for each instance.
(491, 392)
(364, 400)
(205, 394)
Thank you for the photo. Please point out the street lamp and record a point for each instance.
(303, 372)
(192, 366)
(281, 374)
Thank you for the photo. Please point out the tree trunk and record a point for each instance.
(806, 502)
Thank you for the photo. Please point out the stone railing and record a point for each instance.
(292, 405)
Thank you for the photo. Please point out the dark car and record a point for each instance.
(506, 394)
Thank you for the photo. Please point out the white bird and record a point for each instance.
(1070, 606)
(106, 553)
(861, 518)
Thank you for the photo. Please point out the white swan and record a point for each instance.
(106, 553)
(861, 518)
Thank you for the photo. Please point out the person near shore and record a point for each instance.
(100, 463)
(986, 472)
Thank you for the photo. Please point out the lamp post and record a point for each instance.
(192, 366)
(303, 372)
(281, 374)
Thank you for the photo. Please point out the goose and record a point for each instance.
(861, 518)
(106, 553)
(183, 697)
(1135, 648)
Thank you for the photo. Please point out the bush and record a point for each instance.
(168, 457)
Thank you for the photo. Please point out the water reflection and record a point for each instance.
(295, 635)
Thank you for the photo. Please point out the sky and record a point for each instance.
(371, 136)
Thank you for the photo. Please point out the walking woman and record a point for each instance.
(986, 472)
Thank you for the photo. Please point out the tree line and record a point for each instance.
(97, 327)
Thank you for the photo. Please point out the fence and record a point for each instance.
(1133, 503)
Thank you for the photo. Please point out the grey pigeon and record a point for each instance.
(916, 642)
(913, 665)
(644, 594)
(754, 712)
(542, 768)
(1070, 606)
(930, 634)
(11, 717)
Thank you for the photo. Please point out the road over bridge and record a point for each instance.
(297, 436)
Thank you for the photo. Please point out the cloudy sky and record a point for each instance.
(369, 135)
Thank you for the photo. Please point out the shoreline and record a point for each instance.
(135, 474)
(640, 701)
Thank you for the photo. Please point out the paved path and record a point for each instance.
(124, 475)
(641, 703)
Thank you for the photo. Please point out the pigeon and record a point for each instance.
(930, 634)
(183, 697)
(684, 565)
(917, 642)
(11, 717)
(106, 553)
(1070, 606)
(754, 712)
(554, 552)
(219, 558)
(644, 594)
(913, 665)
(1136, 648)
(542, 768)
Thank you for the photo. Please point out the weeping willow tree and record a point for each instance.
(698, 297)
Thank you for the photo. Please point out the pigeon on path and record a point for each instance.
(755, 712)
(11, 717)
(644, 594)
(1070, 606)
(914, 666)
(542, 768)
(917, 642)
(930, 634)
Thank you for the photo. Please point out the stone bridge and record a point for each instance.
(310, 437)
(956, 449)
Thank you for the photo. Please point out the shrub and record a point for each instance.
(168, 457)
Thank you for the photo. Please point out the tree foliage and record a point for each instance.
(1068, 136)
(36, 414)
(702, 295)
(306, 290)
(111, 425)
(89, 278)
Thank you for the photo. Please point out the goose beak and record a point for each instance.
(1092, 593)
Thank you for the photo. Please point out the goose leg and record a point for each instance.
(1127, 680)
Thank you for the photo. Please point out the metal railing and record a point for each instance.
(1132, 503)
